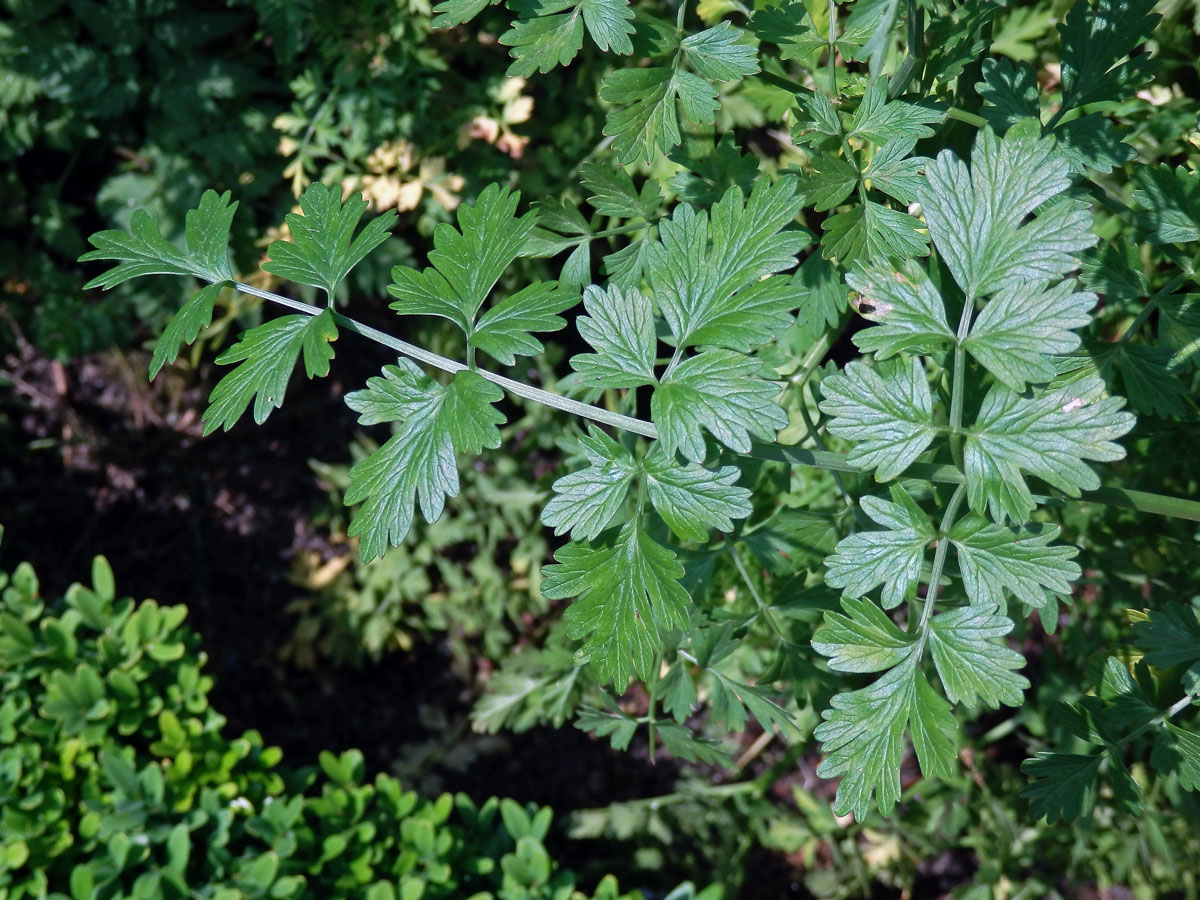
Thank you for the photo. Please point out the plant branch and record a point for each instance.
(1152, 304)
(1142, 501)
(939, 562)
(546, 398)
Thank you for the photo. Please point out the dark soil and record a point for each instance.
(96, 460)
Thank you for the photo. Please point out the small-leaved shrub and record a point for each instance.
(118, 783)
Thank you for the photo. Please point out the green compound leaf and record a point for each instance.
(715, 391)
(466, 262)
(193, 316)
(1010, 91)
(717, 54)
(863, 738)
(1022, 561)
(1169, 636)
(459, 12)
(504, 330)
(614, 725)
(1048, 435)
(908, 308)
(144, 251)
(732, 699)
(828, 181)
(650, 103)
(708, 272)
(611, 192)
(693, 500)
(888, 410)
(550, 32)
(620, 327)
(1116, 270)
(896, 173)
(1179, 328)
(1096, 37)
(1022, 326)
(1065, 785)
(682, 743)
(976, 217)
(1171, 200)
(266, 356)
(793, 540)
(323, 247)
(892, 557)
(863, 640)
(1178, 750)
(872, 232)
(971, 665)
(418, 460)
(629, 594)
(584, 502)
(879, 120)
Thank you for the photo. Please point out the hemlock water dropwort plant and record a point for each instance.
(936, 196)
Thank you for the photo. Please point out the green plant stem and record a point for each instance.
(547, 398)
(652, 701)
(1057, 117)
(763, 609)
(914, 57)
(1152, 304)
(811, 427)
(815, 353)
(939, 562)
(831, 44)
(757, 785)
(1161, 719)
(958, 381)
(784, 84)
(968, 117)
(1142, 501)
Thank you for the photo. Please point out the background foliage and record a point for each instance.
(148, 107)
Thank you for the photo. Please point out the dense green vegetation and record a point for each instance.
(852, 485)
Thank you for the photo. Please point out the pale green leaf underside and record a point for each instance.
(1022, 326)
(892, 557)
(996, 561)
(717, 54)
(975, 216)
(693, 500)
(620, 328)
(707, 269)
(970, 664)
(907, 307)
(862, 640)
(715, 391)
(504, 331)
(584, 502)
(1049, 435)
(887, 411)
(863, 738)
